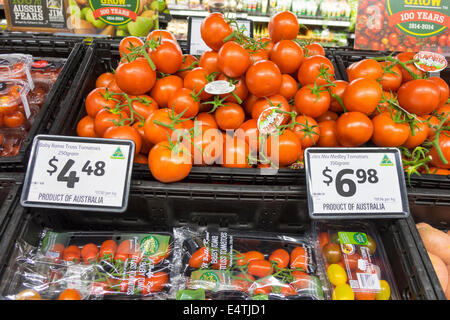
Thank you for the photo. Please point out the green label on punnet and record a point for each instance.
(114, 12)
(356, 238)
(419, 18)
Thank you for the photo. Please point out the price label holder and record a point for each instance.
(78, 173)
(195, 43)
(355, 183)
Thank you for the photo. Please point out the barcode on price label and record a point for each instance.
(368, 281)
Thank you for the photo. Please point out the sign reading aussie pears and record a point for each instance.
(403, 25)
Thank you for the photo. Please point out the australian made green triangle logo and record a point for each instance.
(118, 154)
(386, 162)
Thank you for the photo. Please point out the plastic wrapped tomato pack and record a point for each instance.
(211, 264)
(354, 261)
(92, 265)
(17, 66)
(46, 69)
(16, 115)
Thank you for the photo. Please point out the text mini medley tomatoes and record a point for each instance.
(284, 98)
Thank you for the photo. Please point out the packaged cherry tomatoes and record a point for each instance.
(94, 265)
(213, 264)
(16, 115)
(17, 66)
(353, 258)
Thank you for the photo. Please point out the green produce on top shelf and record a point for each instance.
(141, 27)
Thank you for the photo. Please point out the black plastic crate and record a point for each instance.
(155, 206)
(70, 48)
(432, 207)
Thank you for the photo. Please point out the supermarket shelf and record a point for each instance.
(255, 18)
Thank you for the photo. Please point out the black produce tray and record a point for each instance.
(432, 207)
(159, 207)
(70, 48)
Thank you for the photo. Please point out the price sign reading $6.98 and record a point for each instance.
(355, 183)
(78, 173)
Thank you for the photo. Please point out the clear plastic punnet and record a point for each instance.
(46, 69)
(91, 266)
(17, 66)
(237, 265)
(353, 258)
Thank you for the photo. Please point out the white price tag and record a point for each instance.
(355, 183)
(78, 173)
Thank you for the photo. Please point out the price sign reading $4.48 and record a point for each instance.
(355, 183)
(78, 173)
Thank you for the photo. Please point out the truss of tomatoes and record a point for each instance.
(124, 266)
(250, 266)
(280, 85)
(355, 262)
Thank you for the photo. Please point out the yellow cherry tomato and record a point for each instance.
(28, 294)
(343, 292)
(385, 292)
(336, 274)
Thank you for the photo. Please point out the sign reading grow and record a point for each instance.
(403, 25)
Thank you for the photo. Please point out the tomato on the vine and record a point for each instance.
(235, 152)
(163, 89)
(214, 29)
(169, 163)
(419, 136)
(229, 116)
(315, 69)
(263, 79)
(353, 129)
(283, 149)
(328, 135)
(444, 144)
(109, 118)
(196, 80)
(283, 25)
(209, 61)
(312, 102)
(189, 63)
(366, 68)
(158, 35)
(307, 131)
(160, 124)
(104, 79)
(392, 78)
(125, 133)
(185, 101)
(288, 87)
(129, 43)
(100, 98)
(240, 89)
(337, 94)
(167, 56)
(287, 55)
(233, 59)
(387, 132)
(314, 49)
(419, 96)
(265, 103)
(443, 89)
(135, 77)
(405, 57)
(85, 127)
(362, 95)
